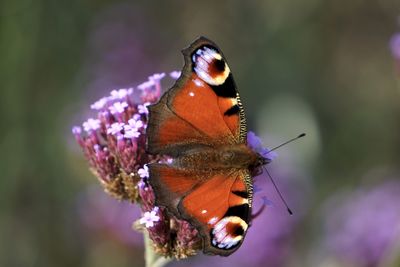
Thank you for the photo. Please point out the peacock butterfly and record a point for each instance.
(200, 124)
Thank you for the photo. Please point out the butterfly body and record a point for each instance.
(200, 125)
(220, 158)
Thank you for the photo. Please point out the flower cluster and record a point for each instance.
(114, 144)
(363, 228)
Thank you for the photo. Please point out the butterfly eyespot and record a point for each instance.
(210, 66)
(228, 232)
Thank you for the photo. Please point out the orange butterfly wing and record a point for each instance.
(219, 205)
(196, 112)
(201, 111)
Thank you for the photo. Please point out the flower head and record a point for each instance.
(114, 145)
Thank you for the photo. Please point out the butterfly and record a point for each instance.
(201, 125)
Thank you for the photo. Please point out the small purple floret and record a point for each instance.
(99, 104)
(144, 172)
(115, 128)
(146, 85)
(76, 130)
(91, 125)
(118, 107)
(157, 76)
(121, 93)
(142, 109)
(150, 217)
(175, 74)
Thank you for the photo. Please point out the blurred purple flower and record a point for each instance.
(76, 130)
(362, 226)
(395, 46)
(175, 74)
(118, 107)
(157, 76)
(255, 143)
(121, 93)
(91, 125)
(99, 104)
(115, 128)
(104, 216)
(145, 85)
(143, 108)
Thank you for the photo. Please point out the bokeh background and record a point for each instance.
(321, 67)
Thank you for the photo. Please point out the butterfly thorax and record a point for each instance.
(218, 158)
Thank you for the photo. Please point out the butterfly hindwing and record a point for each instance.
(219, 205)
(221, 208)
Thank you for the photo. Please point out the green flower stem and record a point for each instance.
(153, 259)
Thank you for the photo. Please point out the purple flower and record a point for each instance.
(142, 109)
(115, 128)
(362, 226)
(99, 104)
(146, 85)
(175, 74)
(76, 130)
(157, 76)
(144, 172)
(254, 142)
(395, 45)
(149, 218)
(91, 125)
(135, 122)
(131, 132)
(102, 215)
(121, 93)
(132, 128)
(118, 107)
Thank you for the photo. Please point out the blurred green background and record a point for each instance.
(320, 67)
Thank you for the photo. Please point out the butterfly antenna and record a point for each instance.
(277, 190)
(287, 142)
